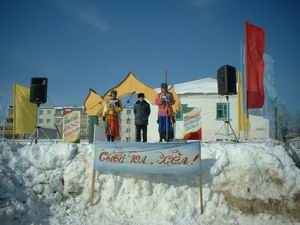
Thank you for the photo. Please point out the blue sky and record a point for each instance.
(94, 44)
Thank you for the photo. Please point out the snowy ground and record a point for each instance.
(245, 183)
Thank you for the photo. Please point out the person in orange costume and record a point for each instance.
(165, 100)
(111, 110)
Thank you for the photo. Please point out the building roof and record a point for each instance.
(202, 86)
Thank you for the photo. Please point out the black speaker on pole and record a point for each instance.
(38, 90)
(226, 80)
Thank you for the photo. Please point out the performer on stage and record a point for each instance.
(141, 112)
(111, 110)
(165, 100)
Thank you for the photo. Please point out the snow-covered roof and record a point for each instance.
(202, 86)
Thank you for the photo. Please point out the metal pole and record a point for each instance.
(276, 124)
(37, 123)
(227, 116)
(14, 110)
(166, 76)
(245, 120)
(246, 95)
(86, 126)
(240, 91)
(167, 126)
(167, 122)
(3, 130)
(201, 194)
(4, 123)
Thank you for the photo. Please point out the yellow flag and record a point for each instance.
(243, 123)
(24, 114)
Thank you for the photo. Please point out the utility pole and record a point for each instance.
(276, 128)
(166, 76)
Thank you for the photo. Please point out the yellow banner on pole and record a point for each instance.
(243, 123)
(24, 114)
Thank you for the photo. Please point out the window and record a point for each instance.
(222, 111)
(58, 120)
(41, 112)
(127, 130)
(183, 109)
(48, 120)
(128, 111)
(41, 120)
(48, 111)
(128, 121)
(59, 112)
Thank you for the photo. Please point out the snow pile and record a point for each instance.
(266, 180)
(46, 157)
(293, 150)
(18, 203)
(246, 183)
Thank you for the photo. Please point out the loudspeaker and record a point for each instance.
(38, 90)
(226, 80)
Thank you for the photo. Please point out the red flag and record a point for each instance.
(255, 46)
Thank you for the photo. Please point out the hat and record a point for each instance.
(164, 86)
(113, 92)
(141, 95)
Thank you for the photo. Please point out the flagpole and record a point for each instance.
(14, 110)
(3, 128)
(246, 93)
(167, 122)
(239, 82)
(166, 76)
(244, 96)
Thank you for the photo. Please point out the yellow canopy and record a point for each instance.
(132, 85)
(93, 103)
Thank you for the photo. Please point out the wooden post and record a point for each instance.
(201, 195)
(91, 200)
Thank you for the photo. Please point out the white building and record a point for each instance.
(46, 117)
(52, 117)
(203, 93)
(127, 127)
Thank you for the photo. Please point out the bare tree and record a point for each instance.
(288, 123)
(295, 125)
(283, 123)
